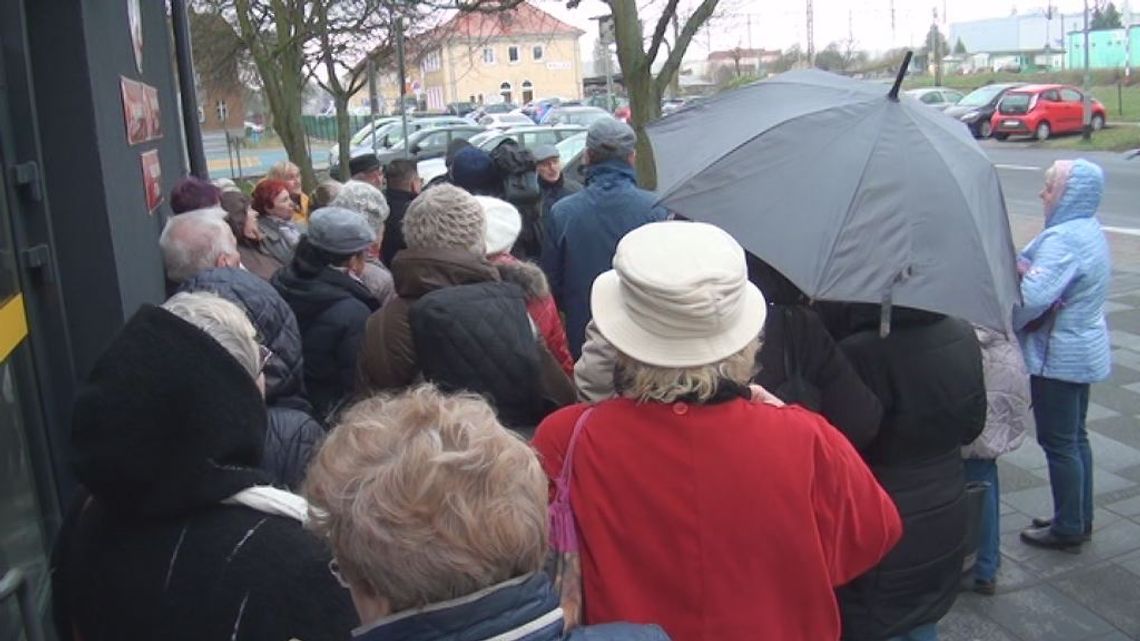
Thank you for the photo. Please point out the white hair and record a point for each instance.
(224, 321)
(194, 241)
(364, 199)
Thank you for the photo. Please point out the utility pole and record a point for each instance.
(373, 99)
(1086, 117)
(810, 34)
(749, 16)
(936, 37)
(403, 80)
(893, 35)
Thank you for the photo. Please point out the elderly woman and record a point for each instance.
(290, 174)
(368, 201)
(437, 519)
(177, 534)
(275, 209)
(242, 218)
(323, 287)
(1065, 274)
(699, 509)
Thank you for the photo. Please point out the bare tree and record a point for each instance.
(636, 55)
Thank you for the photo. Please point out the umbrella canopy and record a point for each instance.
(853, 195)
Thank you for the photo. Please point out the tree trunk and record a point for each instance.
(645, 107)
(343, 135)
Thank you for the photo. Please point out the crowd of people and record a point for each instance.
(508, 406)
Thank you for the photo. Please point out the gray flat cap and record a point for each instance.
(611, 136)
(544, 152)
(340, 231)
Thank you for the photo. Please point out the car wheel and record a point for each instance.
(1097, 122)
(1043, 131)
(1001, 137)
(985, 129)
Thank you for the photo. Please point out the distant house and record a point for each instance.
(743, 62)
(1029, 41)
(510, 56)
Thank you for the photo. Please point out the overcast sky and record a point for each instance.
(781, 27)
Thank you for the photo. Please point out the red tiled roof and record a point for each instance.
(524, 19)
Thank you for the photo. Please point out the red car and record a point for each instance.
(1041, 111)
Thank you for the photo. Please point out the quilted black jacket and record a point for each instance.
(479, 338)
(292, 434)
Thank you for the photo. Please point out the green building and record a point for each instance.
(1108, 49)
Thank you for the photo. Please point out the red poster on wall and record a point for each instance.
(140, 111)
(134, 110)
(152, 179)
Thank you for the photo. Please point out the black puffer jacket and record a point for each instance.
(927, 374)
(332, 309)
(293, 434)
(479, 338)
(167, 427)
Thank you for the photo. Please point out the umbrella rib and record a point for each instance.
(704, 166)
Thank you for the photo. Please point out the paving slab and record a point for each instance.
(1110, 592)
(1043, 613)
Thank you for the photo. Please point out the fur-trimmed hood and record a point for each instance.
(524, 274)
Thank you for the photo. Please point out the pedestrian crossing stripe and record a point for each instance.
(13, 325)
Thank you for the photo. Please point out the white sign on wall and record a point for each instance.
(558, 66)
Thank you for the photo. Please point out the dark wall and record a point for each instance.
(104, 239)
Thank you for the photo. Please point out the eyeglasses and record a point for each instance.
(263, 356)
(334, 569)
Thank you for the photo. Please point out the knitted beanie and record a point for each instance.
(473, 170)
(445, 217)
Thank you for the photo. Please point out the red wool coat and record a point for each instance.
(733, 521)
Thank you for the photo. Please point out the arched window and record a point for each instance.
(505, 91)
(527, 91)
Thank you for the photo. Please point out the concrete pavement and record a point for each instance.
(1059, 596)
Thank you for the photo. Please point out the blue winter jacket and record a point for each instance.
(522, 609)
(1068, 262)
(583, 234)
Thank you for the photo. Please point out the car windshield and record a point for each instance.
(571, 147)
(478, 139)
(514, 119)
(584, 117)
(980, 97)
(1015, 100)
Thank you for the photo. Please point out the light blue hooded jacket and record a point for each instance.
(1069, 261)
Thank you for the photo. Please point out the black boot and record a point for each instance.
(1044, 537)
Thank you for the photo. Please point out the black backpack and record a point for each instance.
(520, 180)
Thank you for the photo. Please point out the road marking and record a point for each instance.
(247, 162)
(1017, 167)
(1127, 231)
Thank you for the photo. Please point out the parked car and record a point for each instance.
(526, 136)
(940, 98)
(582, 115)
(977, 107)
(361, 136)
(535, 109)
(504, 121)
(461, 108)
(391, 134)
(429, 143)
(1043, 110)
(570, 155)
(497, 108)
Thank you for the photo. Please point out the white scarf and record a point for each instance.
(270, 500)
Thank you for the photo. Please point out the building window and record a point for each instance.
(505, 92)
(513, 54)
(527, 91)
(431, 62)
(489, 55)
(537, 52)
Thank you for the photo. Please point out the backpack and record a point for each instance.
(520, 179)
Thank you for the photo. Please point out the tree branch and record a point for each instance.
(692, 25)
(659, 32)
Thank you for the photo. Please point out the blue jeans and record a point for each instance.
(928, 632)
(1060, 408)
(989, 547)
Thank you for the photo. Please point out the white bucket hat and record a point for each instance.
(678, 296)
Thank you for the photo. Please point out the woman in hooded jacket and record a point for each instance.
(176, 533)
(1065, 273)
(293, 434)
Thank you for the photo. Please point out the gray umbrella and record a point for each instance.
(852, 193)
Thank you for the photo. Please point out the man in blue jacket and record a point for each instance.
(584, 228)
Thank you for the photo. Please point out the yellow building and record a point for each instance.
(512, 56)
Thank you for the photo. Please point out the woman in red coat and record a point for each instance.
(717, 517)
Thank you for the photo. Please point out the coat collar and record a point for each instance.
(610, 171)
(525, 607)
